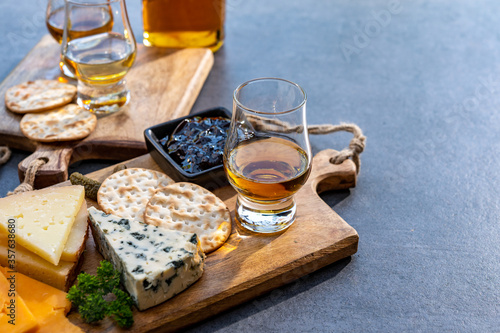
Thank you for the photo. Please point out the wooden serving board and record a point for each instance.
(248, 265)
(163, 83)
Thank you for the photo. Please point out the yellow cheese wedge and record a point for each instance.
(21, 316)
(76, 240)
(47, 304)
(28, 263)
(43, 218)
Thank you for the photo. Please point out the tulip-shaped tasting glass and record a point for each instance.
(93, 20)
(99, 59)
(267, 156)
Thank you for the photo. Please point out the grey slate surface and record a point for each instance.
(424, 85)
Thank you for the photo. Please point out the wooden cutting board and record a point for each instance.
(248, 265)
(163, 83)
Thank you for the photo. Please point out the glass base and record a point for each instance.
(103, 99)
(265, 218)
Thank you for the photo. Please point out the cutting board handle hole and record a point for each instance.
(45, 159)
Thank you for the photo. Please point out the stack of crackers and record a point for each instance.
(48, 116)
(154, 198)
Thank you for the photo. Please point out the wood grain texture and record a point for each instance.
(163, 83)
(248, 265)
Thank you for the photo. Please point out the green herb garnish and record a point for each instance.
(91, 292)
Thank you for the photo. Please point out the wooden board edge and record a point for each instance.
(17, 143)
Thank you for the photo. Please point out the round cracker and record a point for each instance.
(126, 193)
(71, 122)
(191, 208)
(39, 95)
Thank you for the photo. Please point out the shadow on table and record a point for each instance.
(271, 299)
(333, 198)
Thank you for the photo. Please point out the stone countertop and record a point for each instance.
(422, 79)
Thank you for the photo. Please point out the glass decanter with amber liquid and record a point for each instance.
(267, 156)
(186, 23)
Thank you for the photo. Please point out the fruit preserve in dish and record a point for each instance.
(197, 143)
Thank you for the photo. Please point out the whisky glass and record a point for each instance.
(267, 156)
(100, 58)
(88, 23)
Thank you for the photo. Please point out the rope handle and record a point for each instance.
(4, 155)
(29, 177)
(356, 146)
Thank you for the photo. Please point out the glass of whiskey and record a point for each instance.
(267, 155)
(101, 57)
(96, 19)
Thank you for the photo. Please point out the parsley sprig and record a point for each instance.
(90, 293)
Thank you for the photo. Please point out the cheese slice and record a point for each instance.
(43, 218)
(21, 317)
(76, 240)
(77, 237)
(156, 263)
(28, 263)
(38, 296)
(48, 305)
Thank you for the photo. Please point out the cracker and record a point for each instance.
(71, 122)
(191, 208)
(39, 95)
(126, 193)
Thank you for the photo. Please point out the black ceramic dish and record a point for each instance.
(210, 179)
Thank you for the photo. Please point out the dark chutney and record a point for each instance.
(197, 143)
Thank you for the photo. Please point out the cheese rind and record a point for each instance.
(43, 219)
(77, 237)
(156, 263)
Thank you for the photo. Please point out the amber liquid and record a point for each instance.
(183, 23)
(86, 22)
(267, 169)
(100, 59)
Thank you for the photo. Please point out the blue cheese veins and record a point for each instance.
(156, 263)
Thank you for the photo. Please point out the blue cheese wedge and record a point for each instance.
(156, 263)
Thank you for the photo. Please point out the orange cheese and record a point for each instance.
(57, 322)
(47, 304)
(22, 317)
